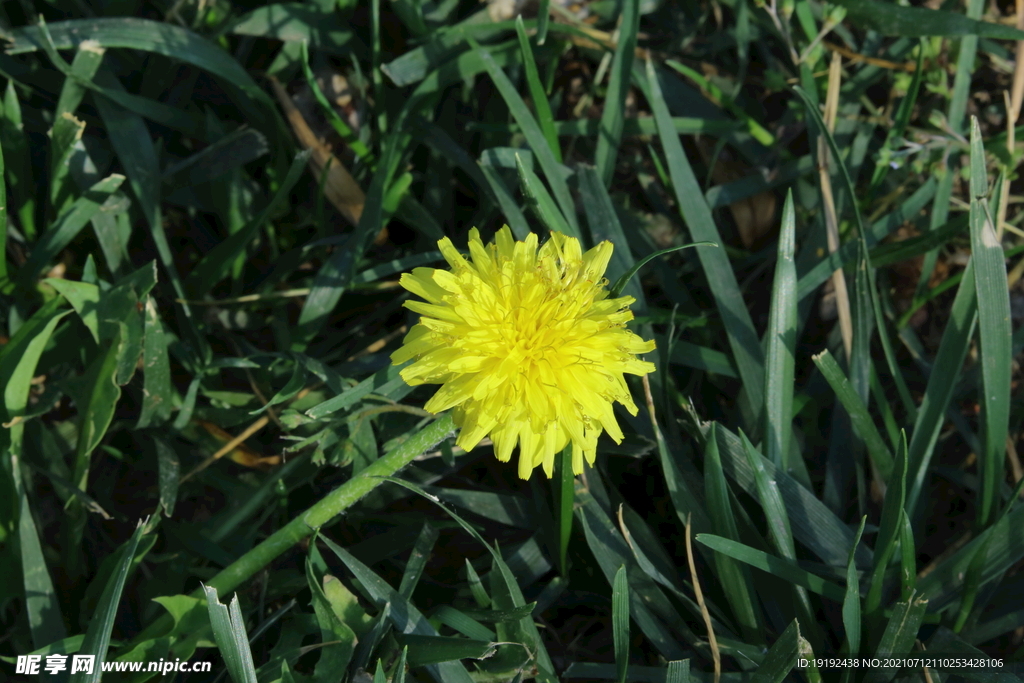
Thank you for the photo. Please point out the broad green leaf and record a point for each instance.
(157, 391)
(337, 638)
(84, 298)
(100, 396)
(167, 467)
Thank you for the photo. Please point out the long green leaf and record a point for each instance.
(861, 420)
(912, 22)
(786, 570)
(743, 341)
(735, 578)
(619, 80)
(781, 658)
(620, 622)
(890, 527)
(780, 356)
(553, 171)
(97, 637)
(545, 118)
(994, 331)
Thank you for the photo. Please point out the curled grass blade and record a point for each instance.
(620, 284)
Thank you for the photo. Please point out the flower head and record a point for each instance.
(526, 344)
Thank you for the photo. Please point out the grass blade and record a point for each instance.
(540, 201)
(620, 622)
(735, 578)
(931, 415)
(781, 658)
(898, 637)
(743, 341)
(994, 331)
(780, 532)
(97, 637)
(851, 601)
(218, 261)
(553, 170)
(890, 528)
(781, 348)
(67, 227)
(526, 627)
(604, 225)
(619, 79)
(545, 118)
(232, 639)
(786, 570)
(863, 424)
(813, 523)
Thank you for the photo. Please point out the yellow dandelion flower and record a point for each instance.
(526, 344)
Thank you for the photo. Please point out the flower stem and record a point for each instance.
(302, 526)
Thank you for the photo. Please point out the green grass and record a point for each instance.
(175, 278)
